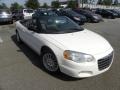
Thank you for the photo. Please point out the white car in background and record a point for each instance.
(65, 46)
(27, 13)
(5, 16)
(22, 14)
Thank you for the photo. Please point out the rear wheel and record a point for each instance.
(50, 61)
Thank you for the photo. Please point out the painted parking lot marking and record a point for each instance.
(1, 41)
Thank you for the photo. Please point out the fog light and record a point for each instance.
(85, 73)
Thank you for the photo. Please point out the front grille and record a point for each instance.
(105, 62)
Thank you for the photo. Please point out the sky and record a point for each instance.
(8, 2)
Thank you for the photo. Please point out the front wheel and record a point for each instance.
(49, 61)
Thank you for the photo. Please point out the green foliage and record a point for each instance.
(33, 4)
(55, 4)
(107, 2)
(85, 1)
(100, 2)
(15, 6)
(72, 4)
(45, 5)
(3, 6)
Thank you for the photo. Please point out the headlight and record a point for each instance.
(77, 18)
(78, 57)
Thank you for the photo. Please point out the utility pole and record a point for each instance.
(79, 2)
(82, 3)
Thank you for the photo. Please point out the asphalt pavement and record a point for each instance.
(21, 69)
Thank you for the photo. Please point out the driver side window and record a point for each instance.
(32, 26)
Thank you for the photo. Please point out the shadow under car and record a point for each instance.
(36, 61)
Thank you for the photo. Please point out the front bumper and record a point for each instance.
(82, 70)
(5, 19)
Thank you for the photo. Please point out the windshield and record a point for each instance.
(28, 11)
(116, 10)
(72, 13)
(4, 11)
(59, 25)
(48, 13)
(89, 12)
(109, 11)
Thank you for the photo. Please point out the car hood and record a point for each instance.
(84, 41)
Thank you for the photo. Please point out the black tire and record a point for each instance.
(89, 20)
(18, 37)
(110, 17)
(113, 17)
(49, 61)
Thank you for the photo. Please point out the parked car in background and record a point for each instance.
(106, 13)
(64, 45)
(78, 18)
(116, 12)
(22, 14)
(5, 16)
(28, 13)
(91, 17)
(17, 15)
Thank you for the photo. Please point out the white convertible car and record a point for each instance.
(65, 46)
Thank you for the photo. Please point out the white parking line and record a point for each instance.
(1, 41)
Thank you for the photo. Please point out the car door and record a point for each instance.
(33, 38)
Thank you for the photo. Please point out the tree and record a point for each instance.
(72, 4)
(45, 5)
(55, 4)
(107, 2)
(15, 6)
(85, 1)
(33, 4)
(91, 1)
(100, 2)
(3, 6)
(116, 2)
